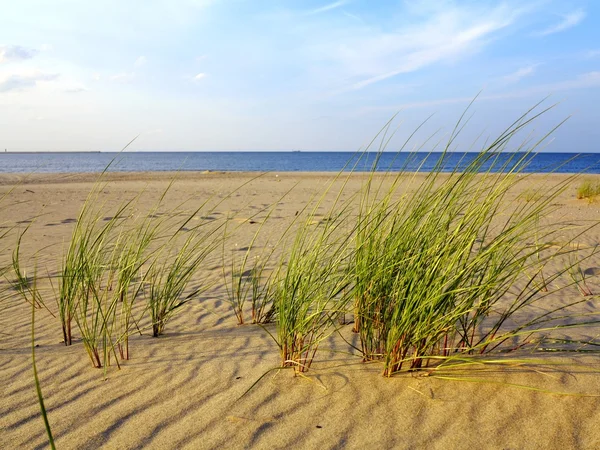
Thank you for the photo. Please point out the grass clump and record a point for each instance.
(250, 278)
(91, 282)
(438, 274)
(171, 272)
(308, 297)
(248, 281)
(531, 195)
(25, 285)
(112, 261)
(310, 286)
(588, 189)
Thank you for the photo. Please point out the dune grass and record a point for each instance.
(309, 286)
(439, 266)
(246, 282)
(23, 284)
(588, 189)
(438, 273)
(171, 272)
(131, 276)
(38, 387)
(114, 261)
(249, 277)
(94, 301)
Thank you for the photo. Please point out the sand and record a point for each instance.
(183, 390)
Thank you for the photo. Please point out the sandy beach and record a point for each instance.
(185, 389)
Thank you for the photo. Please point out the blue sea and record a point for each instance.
(280, 162)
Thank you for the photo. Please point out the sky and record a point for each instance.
(293, 75)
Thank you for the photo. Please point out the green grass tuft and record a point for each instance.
(588, 189)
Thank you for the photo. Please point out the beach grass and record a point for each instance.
(250, 277)
(588, 189)
(172, 270)
(310, 285)
(438, 274)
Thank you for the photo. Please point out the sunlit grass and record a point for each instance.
(438, 273)
(588, 189)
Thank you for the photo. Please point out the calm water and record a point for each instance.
(274, 161)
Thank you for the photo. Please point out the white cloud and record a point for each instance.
(15, 53)
(569, 21)
(326, 8)
(200, 76)
(20, 82)
(446, 33)
(516, 76)
(140, 61)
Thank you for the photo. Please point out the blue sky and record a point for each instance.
(282, 75)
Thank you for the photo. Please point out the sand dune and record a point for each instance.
(186, 389)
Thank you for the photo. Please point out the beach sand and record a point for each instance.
(183, 390)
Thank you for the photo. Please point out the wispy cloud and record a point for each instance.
(326, 8)
(592, 54)
(200, 76)
(583, 81)
(19, 82)
(16, 53)
(352, 16)
(445, 34)
(124, 77)
(568, 21)
(515, 77)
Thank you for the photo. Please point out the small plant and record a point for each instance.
(25, 285)
(238, 285)
(246, 280)
(588, 189)
(96, 300)
(171, 271)
(83, 261)
(131, 278)
(263, 308)
(38, 387)
(531, 195)
(578, 275)
(309, 286)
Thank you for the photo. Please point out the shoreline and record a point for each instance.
(20, 178)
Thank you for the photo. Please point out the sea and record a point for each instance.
(294, 161)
